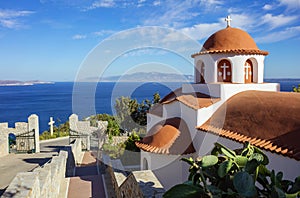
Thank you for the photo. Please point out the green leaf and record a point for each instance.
(279, 176)
(277, 193)
(291, 195)
(246, 149)
(263, 170)
(296, 186)
(257, 156)
(216, 151)
(209, 160)
(244, 184)
(266, 159)
(226, 151)
(241, 160)
(184, 191)
(224, 168)
(253, 162)
(285, 185)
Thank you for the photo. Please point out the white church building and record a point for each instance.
(229, 103)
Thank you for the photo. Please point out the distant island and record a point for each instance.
(22, 83)
(144, 77)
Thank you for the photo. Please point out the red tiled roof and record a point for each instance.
(230, 40)
(168, 137)
(268, 120)
(192, 100)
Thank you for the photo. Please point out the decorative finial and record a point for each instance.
(228, 20)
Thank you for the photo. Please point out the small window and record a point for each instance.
(248, 71)
(224, 71)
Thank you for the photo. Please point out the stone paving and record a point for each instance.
(87, 182)
(12, 164)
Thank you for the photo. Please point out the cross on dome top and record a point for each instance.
(228, 19)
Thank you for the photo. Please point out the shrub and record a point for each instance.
(130, 142)
(296, 89)
(228, 173)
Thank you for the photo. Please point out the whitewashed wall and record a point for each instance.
(168, 169)
(237, 63)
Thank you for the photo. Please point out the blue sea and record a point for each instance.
(55, 100)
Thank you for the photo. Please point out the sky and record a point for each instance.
(53, 39)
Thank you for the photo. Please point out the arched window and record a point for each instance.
(202, 80)
(248, 71)
(145, 164)
(224, 71)
(199, 72)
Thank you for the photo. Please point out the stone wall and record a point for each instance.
(4, 150)
(20, 127)
(135, 184)
(75, 156)
(85, 130)
(76, 151)
(44, 181)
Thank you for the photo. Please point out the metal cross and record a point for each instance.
(228, 20)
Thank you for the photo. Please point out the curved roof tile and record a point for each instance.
(170, 137)
(268, 120)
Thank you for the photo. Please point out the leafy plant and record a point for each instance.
(131, 114)
(113, 128)
(296, 89)
(130, 142)
(228, 173)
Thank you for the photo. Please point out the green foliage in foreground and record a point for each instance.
(228, 173)
(296, 89)
(61, 131)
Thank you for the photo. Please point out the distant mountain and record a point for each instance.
(146, 77)
(22, 83)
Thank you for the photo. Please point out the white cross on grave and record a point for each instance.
(247, 67)
(51, 125)
(224, 67)
(228, 20)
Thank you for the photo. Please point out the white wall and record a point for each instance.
(225, 91)
(211, 60)
(168, 169)
(152, 120)
(290, 167)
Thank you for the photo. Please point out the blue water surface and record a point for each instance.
(55, 100)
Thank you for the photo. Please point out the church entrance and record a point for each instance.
(248, 71)
(224, 71)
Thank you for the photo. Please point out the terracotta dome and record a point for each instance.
(230, 40)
